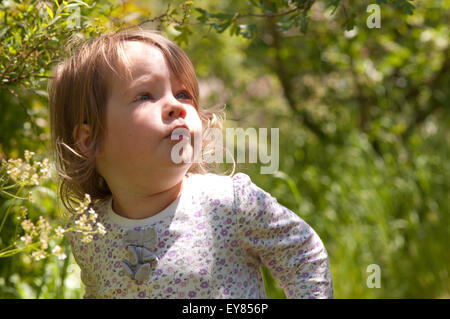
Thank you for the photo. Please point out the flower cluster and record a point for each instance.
(29, 172)
(37, 236)
(85, 221)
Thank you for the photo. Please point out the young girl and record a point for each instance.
(172, 230)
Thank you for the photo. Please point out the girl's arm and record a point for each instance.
(83, 261)
(284, 243)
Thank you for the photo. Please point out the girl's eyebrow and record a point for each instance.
(142, 80)
(138, 82)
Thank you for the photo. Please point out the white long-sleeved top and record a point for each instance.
(209, 243)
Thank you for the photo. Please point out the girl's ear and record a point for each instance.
(83, 139)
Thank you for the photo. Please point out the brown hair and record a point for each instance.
(78, 93)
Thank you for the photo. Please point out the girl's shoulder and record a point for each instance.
(215, 182)
(236, 188)
(238, 177)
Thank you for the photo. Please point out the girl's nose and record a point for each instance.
(178, 111)
(174, 109)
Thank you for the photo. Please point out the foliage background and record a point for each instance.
(363, 116)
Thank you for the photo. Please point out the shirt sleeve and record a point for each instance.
(283, 242)
(80, 253)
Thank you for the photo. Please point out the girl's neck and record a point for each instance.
(136, 206)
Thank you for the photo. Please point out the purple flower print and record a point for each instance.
(177, 281)
(204, 284)
(279, 269)
(228, 221)
(224, 232)
(169, 290)
(226, 291)
(203, 272)
(201, 226)
(161, 244)
(305, 274)
(166, 233)
(158, 272)
(192, 294)
(234, 243)
(141, 294)
(116, 264)
(216, 202)
(222, 262)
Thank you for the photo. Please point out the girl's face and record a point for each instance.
(141, 115)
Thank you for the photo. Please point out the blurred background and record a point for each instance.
(359, 94)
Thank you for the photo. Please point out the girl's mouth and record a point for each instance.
(179, 133)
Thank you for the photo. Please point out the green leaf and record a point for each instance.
(349, 23)
(31, 7)
(221, 27)
(407, 7)
(248, 31)
(49, 11)
(204, 15)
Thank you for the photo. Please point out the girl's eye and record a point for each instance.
(184, 95)
(143, 97)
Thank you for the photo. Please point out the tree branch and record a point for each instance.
(286, 85)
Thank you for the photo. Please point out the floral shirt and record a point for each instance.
(209, 243)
